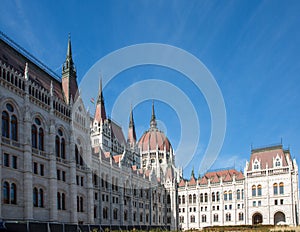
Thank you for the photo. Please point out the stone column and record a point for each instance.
(28, 204)
(52, 173)
(72, 180)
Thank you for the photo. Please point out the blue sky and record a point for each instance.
(251, 48)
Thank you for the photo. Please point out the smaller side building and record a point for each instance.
(266, 193)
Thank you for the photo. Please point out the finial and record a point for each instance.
(51, 89)
(26, 72)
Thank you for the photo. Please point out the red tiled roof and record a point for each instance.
(192, 181)
(117, 158)
(266, 156)
(182, 183)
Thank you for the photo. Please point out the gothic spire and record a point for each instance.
(69, 76)
(131, 130)
(100, 114)
(153, 123)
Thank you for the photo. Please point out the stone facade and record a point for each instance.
(265, 193)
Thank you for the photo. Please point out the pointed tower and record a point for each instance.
(100, 114)
(153, 123)
(69, 77)
(131, 139)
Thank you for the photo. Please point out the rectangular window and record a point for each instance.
(6, 160)
(225, 207)
(281, 201)
(254, 203)
(259, 203)
(218, 207)
(275, 202)
(103, 197)
(107, 198)
(81, 181)
(238, 206)
(42, 169)
(35, 168)
(96, 196)
(77, 180)
(14, 162)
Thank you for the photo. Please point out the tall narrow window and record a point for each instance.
(230, 195)
(275, 189)
(253, 191)
(14, 128)
(63, 201)
(190, 198)
(5, 124)
(218, 196)
(58, 201)
(281, 188)
(81, 204)
(35, 197)
(13, 193)
(63, 148)
(41, 139)
(238, 194)
(225, 196)
(57, 148)
(206, 197)
(6, 192)
(259, 190)
(34, 136)
(41, 198)
(213, 196)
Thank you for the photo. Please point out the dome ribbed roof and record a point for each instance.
(152, 139)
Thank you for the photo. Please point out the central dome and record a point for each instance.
(154, 139)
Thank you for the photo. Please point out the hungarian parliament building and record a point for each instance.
(62, 169)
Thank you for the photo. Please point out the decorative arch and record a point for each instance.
(279, 218)
(257, 218)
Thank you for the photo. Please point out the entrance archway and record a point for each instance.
(257, 219)
(279, 218)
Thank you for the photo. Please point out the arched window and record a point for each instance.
(35, 197)
(13, 193)
(192, 218)
(216, 217)
(203, 218)
(183, 199)
(242, 193)
(63, 148)
(213, 196)
(125, 215)
(115, 214)
(275, 188)
(190, 198)
(58, 201)
(241, 216)
(78, 210)
(259, 190)
(225, 196)
(63, 201)
(5, 124)
(205, 197)
(34, 136)
(14, 128)
(194, 198)
(41, 139)
(6, 192)
(41, 198)
(253, 190)
(228, 217)
(281, 188)
(201, 197)
(81, 204)
(57, 149)
(77, 155)
(218, 196)
(60, 145)
(9, 123)
(179, 200)
(238, 194)
(230, 195)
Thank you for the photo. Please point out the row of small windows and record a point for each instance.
(215, 218)
(215, 196)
